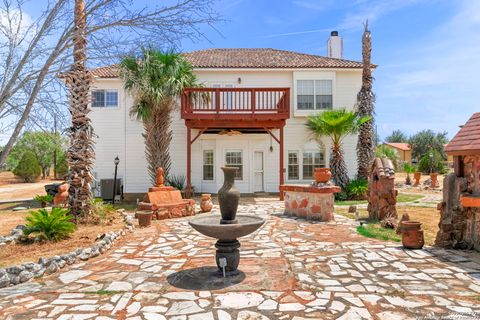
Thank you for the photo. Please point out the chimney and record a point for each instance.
(335, 46)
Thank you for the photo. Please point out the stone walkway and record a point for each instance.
(291, 269)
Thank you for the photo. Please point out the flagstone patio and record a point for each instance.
(291, 269)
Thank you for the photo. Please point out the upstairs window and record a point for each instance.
(104, 98)
(208, 165)
(314, 94)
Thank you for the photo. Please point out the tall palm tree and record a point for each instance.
(336, 124)
(366, 107)
(156, 79)
(81, 153)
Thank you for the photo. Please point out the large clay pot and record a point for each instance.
(228, 196)
(322, 175)
(412, 235)
(206, 202)
(144, 218)
(417, 176)
(433, 178)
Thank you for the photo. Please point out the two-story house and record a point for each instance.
(254, 119)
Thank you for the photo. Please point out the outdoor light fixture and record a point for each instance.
(116, 161)
(239, 80)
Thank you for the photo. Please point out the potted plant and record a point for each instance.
(43, 200)
(409, 169)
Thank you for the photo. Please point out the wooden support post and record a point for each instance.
(188, 191)
(281, 164)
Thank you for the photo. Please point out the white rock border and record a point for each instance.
(22, 273)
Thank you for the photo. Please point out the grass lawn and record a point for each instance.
(376, 231)
(402, 197)
(429, 217)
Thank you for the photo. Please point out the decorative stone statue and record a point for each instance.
(61, 198)
(159, 180)
(206, 204)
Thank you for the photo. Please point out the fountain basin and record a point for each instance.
(211, 227)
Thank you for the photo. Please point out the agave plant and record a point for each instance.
(54, 225)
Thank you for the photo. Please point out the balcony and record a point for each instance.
(236, 104)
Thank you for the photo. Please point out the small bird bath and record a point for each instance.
(228, 226)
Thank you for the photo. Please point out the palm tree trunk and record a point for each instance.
(365, 100)
(158, 136)
(81, 152)
(338, 166)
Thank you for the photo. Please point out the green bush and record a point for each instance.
(99, 213)
(54, 225)
(357, 189)
(341, 196)
(61, 169)
(430, 162)
(28, 168)
(43, 199)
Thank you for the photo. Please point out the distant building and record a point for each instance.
(403, 150)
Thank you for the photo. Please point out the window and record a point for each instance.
(208, 165)
(314, 94)
(312, 160)
(293, 166)
(234, 159)
(104, 98)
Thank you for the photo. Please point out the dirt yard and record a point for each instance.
(84, 236)
(13, 189)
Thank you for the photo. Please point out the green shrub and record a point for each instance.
(430, 162)
(43, 199)
(28, 168)
(178, 182)
(341, 196)
(384, 151)
(61, 169)
(54, 225)
(357, 189)
(409, 169)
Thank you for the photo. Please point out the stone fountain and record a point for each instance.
(228, 226)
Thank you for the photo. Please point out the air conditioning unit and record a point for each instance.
(106, 188)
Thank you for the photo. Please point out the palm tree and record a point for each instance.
(336, 124)
(156, 79)
(81, 153)
(366, 107)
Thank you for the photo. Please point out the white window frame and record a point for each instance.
(242, 163)
(298, 164)
(312, 75)
(203, 165)
(313, 164)
(105, 106)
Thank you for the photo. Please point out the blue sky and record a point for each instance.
(428, 51)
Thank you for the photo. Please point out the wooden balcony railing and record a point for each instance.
(236, 103)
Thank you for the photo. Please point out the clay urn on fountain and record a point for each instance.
(228, 226)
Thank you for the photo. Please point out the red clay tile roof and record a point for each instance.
(249, 58)
(399, 145)
(467, 140)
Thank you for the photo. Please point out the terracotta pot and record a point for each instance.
(228, 197)
(417, 176)
(206, 202)
(144, 218)
(322, 175)
(433, 178)
(412, 235)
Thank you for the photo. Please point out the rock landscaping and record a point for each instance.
(291, 269)
(48, 265)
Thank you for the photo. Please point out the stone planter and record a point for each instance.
(417, 176)
(144, 218)
(434, 180)
(322, 175)
(206, 202)
(412, 235)
(228, 196)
